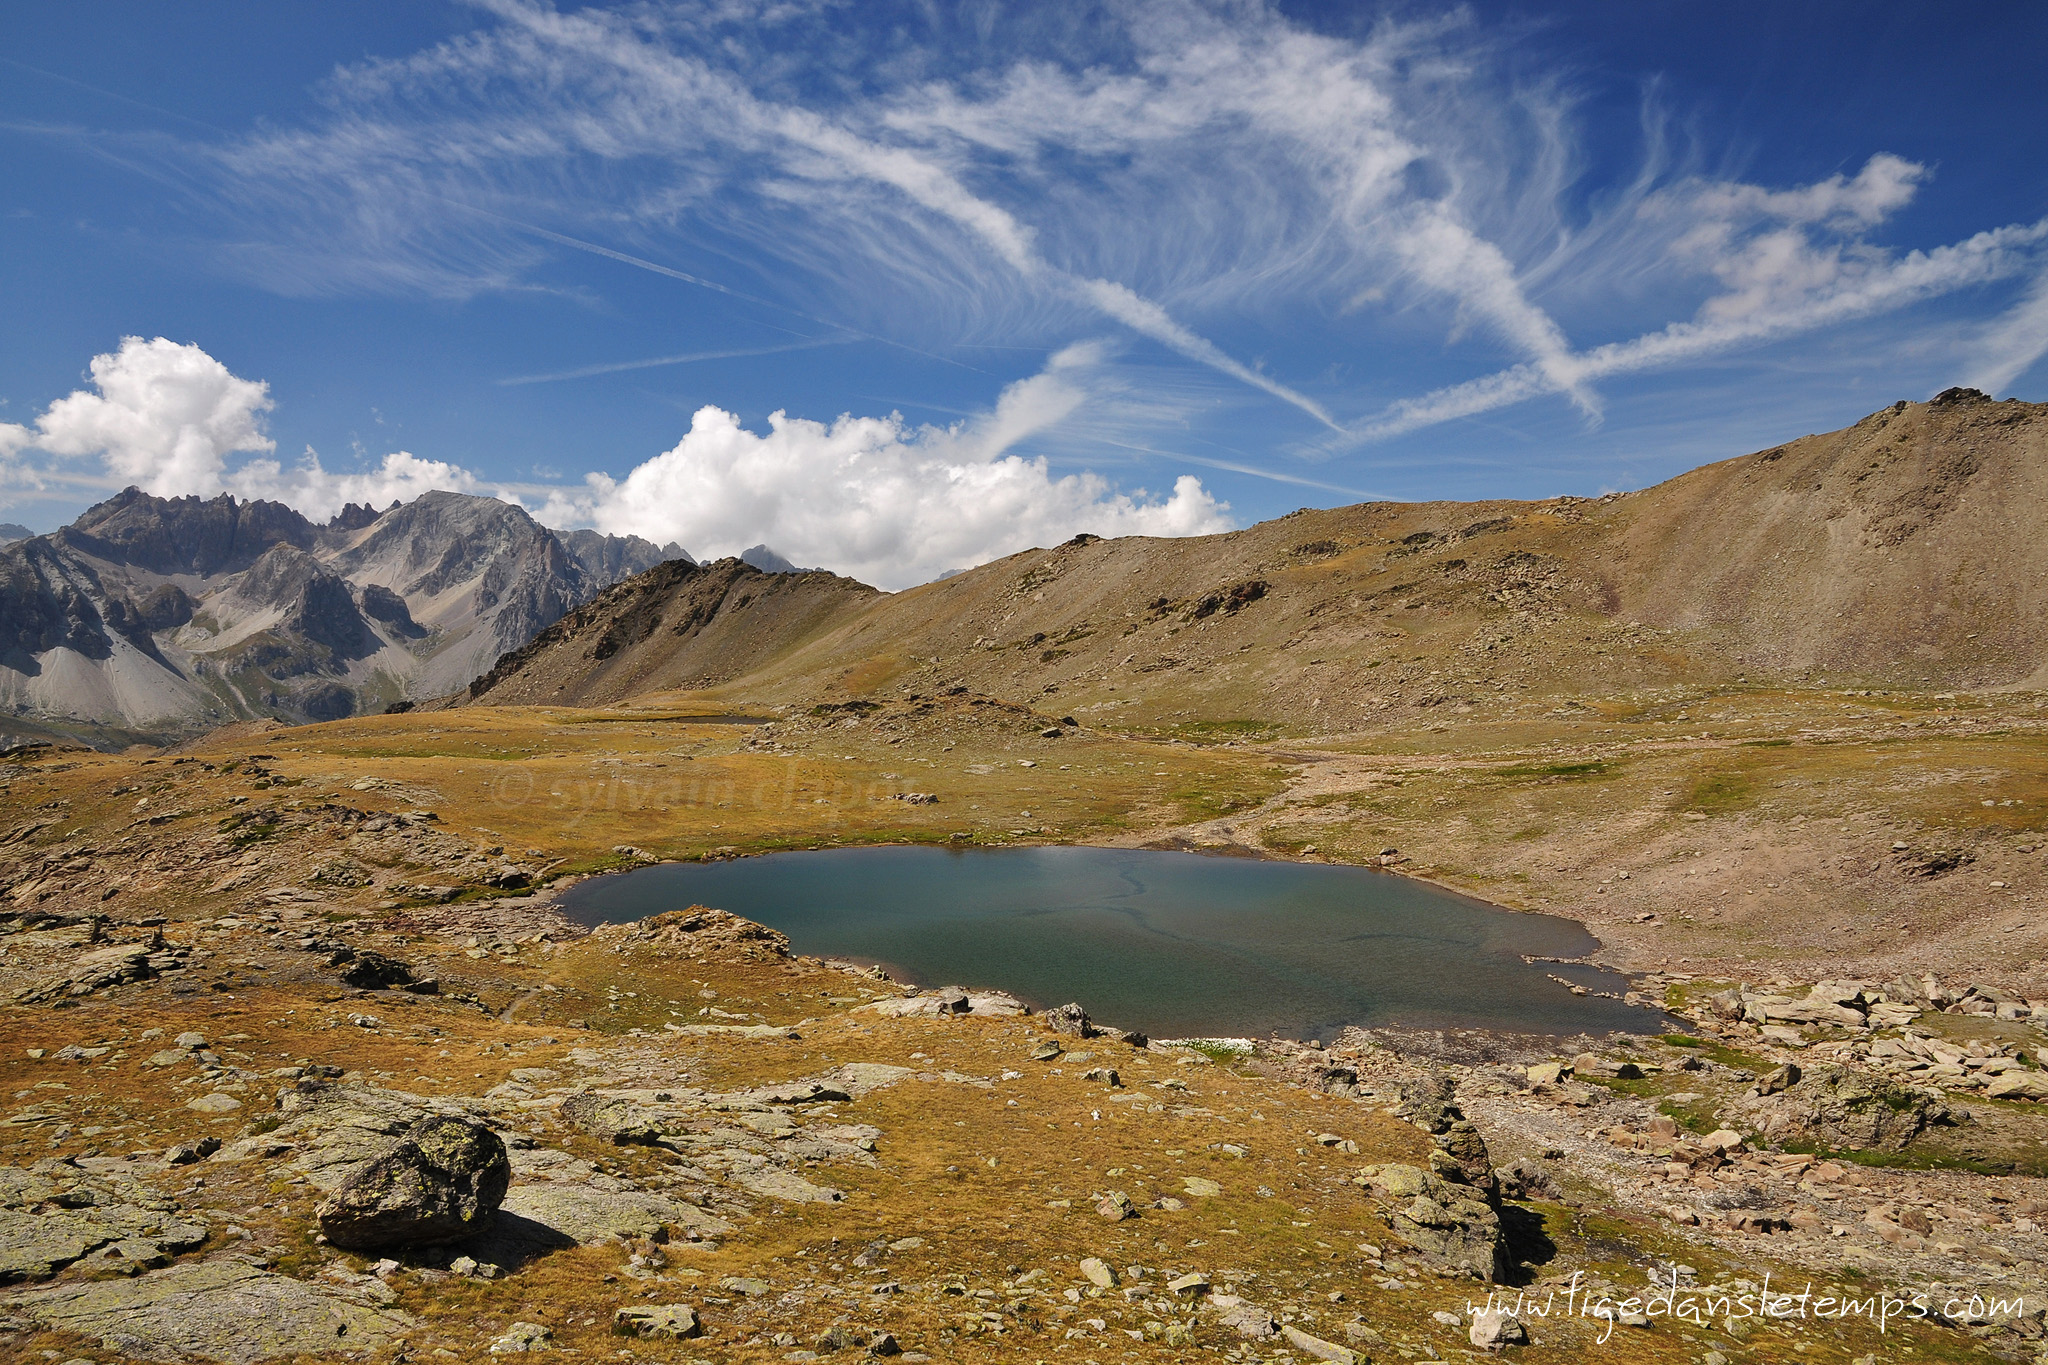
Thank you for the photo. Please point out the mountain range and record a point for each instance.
(1901, 552)
(1898, 552)
(151, 617)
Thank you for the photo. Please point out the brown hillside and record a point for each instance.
(1895, 553)
(1905, 548)
(678, 625)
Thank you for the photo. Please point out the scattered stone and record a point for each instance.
(1192, 1285)
(185, 1153)
(522, 1337)
(1098, 1272)
(1070, 1019)
(1317, 1347)
(1248, 1320)
(1047, 1051)
(837, 1337)
(1116, 1206)
(673, 1321)
(444, 1180)
(617, 1121)
(1493, 1328)
(1778, 1080)
(372, 971)
(213, 1104)
(1201, 1187)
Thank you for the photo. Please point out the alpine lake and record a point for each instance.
(1172, 944)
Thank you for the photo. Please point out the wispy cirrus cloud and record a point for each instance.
(1292, 209)
(684, 358)
(1789, 262)
(1220, 156)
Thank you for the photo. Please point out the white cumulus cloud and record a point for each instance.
(165, 415)
(872, 497)
(877, 499)
(319, 493)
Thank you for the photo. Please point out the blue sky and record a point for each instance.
(1007, 272)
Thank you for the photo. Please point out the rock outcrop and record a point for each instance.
(1448, 1223)
(442, 1182)
(1843, 1107)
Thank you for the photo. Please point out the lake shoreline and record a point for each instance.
(1223, 947)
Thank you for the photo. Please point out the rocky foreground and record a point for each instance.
(310, 1129)
(300, 1069)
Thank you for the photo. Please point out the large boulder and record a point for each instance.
(1839, 1106)
(1450, 1224)
(444, 1180)
(1070, 1019)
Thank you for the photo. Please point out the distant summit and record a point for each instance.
(152, 617)
(767, 561)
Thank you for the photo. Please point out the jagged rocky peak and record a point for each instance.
(46, 603)
(244, 609)
(185, 535)
(313, 601)
(609, 558)
(357, 515)
(381, 604)
(440, 540)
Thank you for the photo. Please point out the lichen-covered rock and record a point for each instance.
(91, 971)
(1429, 1101)
(1070, 1019)
(1450, 1224)
(443, 1181)
(701, 931)
(373, 971)
(1318, 1348)
(1115, 1206)
(563, 1215)
(1461, 1142)
(618, 1121)
(1839, 1106)
(223, 1310)
(674, 1321)
(1493, 1328)
(56, 1215)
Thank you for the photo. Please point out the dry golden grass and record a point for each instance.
(997, 1180)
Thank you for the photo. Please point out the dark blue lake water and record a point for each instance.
(1175, 944)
